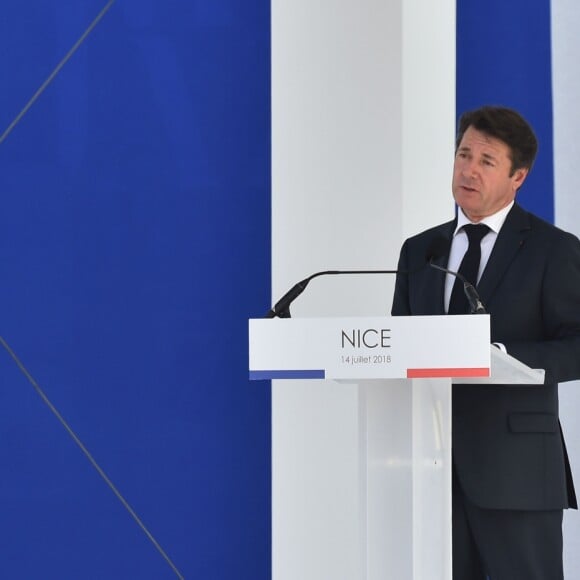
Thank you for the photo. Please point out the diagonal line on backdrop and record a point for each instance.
(20, 365)
(55, 72)
(88, 455)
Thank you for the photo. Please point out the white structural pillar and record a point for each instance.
(363, 119)
(566, 101)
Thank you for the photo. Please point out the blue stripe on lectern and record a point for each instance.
(297, 374)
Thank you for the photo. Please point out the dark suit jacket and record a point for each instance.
(508, 449)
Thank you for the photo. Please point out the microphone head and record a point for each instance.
(438, 247)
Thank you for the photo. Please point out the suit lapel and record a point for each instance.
(508, 243)
(437, 277)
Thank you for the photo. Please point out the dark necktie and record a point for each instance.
(469, 268)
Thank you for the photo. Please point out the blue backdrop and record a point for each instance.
(504, 58)
(134, 245)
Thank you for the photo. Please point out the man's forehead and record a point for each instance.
(472, 138)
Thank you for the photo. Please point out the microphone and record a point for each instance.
(282, 307)
(438, 248)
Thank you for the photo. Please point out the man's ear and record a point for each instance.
(519, 177)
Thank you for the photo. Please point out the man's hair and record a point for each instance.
(506, 125)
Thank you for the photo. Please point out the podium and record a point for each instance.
(398, 372)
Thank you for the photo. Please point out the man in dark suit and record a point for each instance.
(511, 477)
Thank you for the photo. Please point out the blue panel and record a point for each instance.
(504, 58)
(296, 374)
(134, 245)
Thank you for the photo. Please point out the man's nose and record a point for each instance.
(470, 168)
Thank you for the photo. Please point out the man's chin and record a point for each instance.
(467, 202)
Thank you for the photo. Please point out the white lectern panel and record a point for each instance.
(406, 473)
(369, 477)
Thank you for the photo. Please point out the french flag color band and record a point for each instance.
(447, 373)
(297, 374)
(411, 373)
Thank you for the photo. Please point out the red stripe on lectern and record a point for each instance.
(439, 373)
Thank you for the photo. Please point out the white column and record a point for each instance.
(363, 120)
(566, 107)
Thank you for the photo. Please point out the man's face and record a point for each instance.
(482, 184)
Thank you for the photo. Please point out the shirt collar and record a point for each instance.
(494, 222)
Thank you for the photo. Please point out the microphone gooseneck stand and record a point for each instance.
(282, 308)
